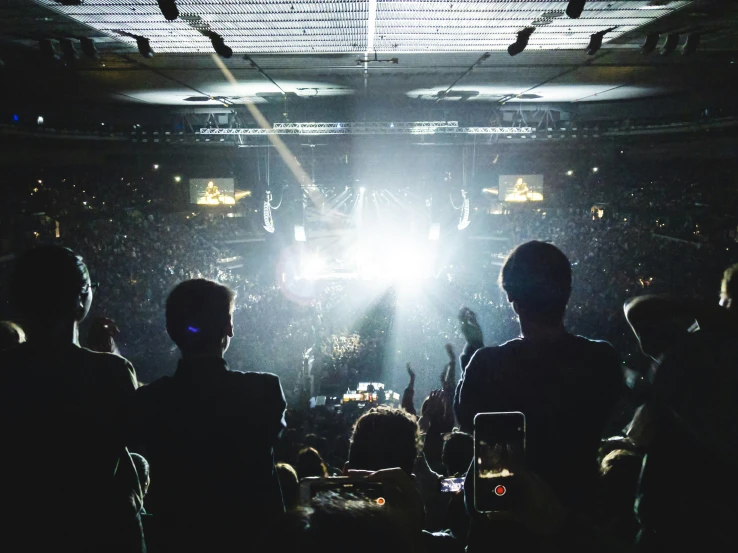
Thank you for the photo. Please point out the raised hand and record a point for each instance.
(450, 351)
(470, 327)
(410, 372)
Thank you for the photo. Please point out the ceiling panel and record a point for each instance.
(353, 27)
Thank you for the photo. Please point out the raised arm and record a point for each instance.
(472, 332)
(409, 394)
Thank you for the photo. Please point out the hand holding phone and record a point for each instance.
(499, 456)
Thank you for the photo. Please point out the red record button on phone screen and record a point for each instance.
(500, 490)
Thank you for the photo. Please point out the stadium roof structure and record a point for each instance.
(385, 54)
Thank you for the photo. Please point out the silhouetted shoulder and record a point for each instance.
(119, 369)
(254, 384)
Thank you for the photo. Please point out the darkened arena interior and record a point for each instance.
(374, 276)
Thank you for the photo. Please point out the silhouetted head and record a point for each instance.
(458, 452)
(384, 438)
(142, 469)
(200, 316)
(51, 284)
(536, 277)
(310, 463)
(290, 484)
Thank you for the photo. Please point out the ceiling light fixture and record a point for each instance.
(168, 9)
(575, 8)
(595, 41)
(671, 43)
(522, 41)
(690, 47)
(652, 40)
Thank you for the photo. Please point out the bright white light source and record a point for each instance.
(40, 120)
(177, 178)
(434, 232)
(570, 172)
(362, 189)
(595, 169)
(300, 233)
(312, 266)
(156, 166)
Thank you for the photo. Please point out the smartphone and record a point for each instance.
(450, 485)
(344, 486)
(499, 453)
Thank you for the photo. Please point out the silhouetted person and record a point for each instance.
(209, 432)
(689, 425)
(68, 481)
(565, 385)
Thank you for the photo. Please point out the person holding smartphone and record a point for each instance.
(565, 385)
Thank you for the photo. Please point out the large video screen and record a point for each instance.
(212, 191)
(521, 188)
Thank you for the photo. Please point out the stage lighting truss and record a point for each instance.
(417, 127)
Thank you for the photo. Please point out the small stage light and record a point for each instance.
(156, 166)
(570, 172)
(168, 9)
(48, 49)
(575, 8)
(522, 41)
(690, 47)
(652, 40)
(595, 169)
(177, 178)
(362, 189)
(88, 48)
(300, 235)
(40, 120)
(595, 41)
(671, 43)
(144, 47)
(219, 45)
(67, 48)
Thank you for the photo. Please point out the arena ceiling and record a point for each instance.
(383, 52)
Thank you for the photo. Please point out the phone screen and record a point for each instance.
(349, 488)
(499, 452)
(449, 485)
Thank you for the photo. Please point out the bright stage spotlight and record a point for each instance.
(312, 267)
(435, 232)
(362, 189)
(522, 41)
(300, 235)
(575, 8)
